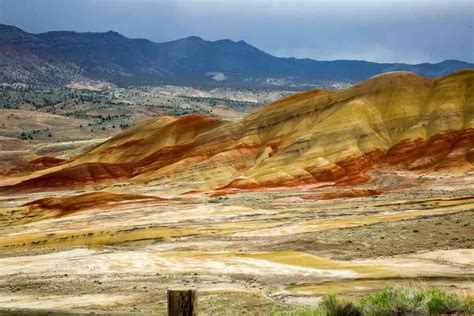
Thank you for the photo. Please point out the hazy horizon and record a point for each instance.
(380, 31)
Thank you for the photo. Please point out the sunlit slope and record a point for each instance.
(398, 120)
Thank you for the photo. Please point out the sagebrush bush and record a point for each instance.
(334, 306)
(442, 302)
(392, 301)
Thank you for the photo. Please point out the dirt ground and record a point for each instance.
(246, 253)
(447, 231)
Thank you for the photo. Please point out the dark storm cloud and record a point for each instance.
(383, 31)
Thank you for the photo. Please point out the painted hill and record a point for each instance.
(397, 120)
(62, 56)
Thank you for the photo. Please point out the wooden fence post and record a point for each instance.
(182, 302)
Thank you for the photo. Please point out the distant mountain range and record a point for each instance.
(61, 56)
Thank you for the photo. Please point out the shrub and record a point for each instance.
(218, 199)
(330, 305)
(441, 302)
(334, 306)
(393, 301)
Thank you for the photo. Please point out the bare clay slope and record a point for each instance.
(397, 120)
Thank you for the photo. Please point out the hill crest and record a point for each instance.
(398, 121)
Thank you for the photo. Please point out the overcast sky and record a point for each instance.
(410, 31)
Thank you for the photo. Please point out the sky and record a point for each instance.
(409, 31)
